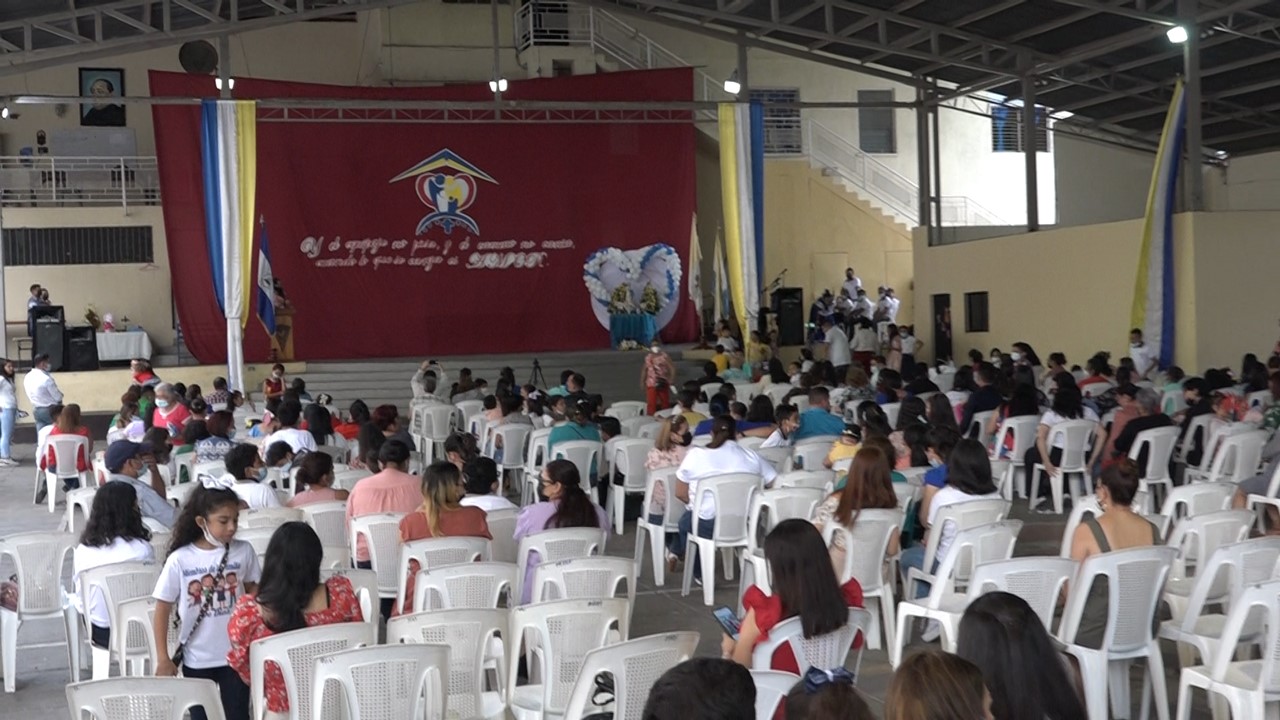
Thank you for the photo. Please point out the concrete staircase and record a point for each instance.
(616, 375)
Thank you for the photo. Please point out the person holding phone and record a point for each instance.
(804, 585)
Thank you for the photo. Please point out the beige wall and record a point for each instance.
(1071, 289)
(141, 292)
(815, 229)
(1067, 290)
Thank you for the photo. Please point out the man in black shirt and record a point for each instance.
(1149, 417)
(984, 399)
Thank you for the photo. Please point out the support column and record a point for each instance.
(743, 76)
(4, 330)
(224, 67)
(1187, 10)
(1029, 151)
(922, 162)
(935, 117)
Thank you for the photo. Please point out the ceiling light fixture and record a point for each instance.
(231, 83)
(1177, 34)
(498, 86)
(731, 84)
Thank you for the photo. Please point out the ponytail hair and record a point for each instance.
(314, 466)
(574, 509)
(723, 429)
(202, 503)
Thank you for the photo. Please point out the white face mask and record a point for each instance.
(1016, 356)
(935, 462)
(654, 349)
(208, 536)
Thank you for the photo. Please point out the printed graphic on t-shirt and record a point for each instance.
(203, 586)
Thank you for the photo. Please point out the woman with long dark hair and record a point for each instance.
(113, 533)
(290, 597)
(1067, 405)
(8, 411)
(567, 505)
(1025, 673)
(320, 425)
(804, 585)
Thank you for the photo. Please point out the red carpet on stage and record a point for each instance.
(397, 239)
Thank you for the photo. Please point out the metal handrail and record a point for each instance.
(35, 180)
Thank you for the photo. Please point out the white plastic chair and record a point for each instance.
(586, 578)
(336, 557)
(1197, 499)
(82, 498)
(631, 426)
(436, 421)
(944, 603)
(468, 409)
(269, 517)
(347, 479)
(295, 652)
(810, 453)
(628, 457)
(153, 698)
(136, 618)
(117, 583)
(732, 497)
(891, 411)
(773, 505)
(821, 651)
(1228, 571)
(564, 632)
(1023, 429)
(1037, 580)
(771, 687)
(329, 520)
(648, 430)
(66, 448)
(365, 583)
(1135, 581)
(339, 453)
(555, 545)
(978, 428)
(778, 457)
(535, 457)
(381, 532)
(584, 454)
(468, 586)
(818, 479)
(37, 559)
(469, 634)
(434, 553)
(654, 534)
(626, 409)
(1159, 444)
(866, 548)
(177, 494)
(1086, 504)
(1075, 435)
(635, 666)
(1247, 686)
(513, 436)
(385, 681)
(184, 469)
(1237, 458)
(1195, 539)
(1261, 398)
(502, 526)
(964, 516)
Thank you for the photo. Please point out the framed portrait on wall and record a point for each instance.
(102, 84)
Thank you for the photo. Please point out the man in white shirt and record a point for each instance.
(862, 305)
(852, 283)
(480, 475)
(1144, 359)
(245, 473)
(887, 308)
(41, 389)
(837, 348)
(288, 415)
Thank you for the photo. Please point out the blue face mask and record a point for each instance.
(262, 473)
(162, 403)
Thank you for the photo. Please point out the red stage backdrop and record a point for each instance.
(396, 239)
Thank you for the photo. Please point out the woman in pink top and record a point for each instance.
(392, 490)
(315, 474)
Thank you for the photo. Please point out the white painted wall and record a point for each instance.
(1099, 182)
(1246, 183)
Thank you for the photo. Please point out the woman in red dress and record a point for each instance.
(804, 586)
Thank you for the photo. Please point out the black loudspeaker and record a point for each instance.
(50, 339)
(788, 304)
(82, 348)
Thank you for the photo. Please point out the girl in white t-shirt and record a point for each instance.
(113, 533)
(207, 570)
(1068, 404)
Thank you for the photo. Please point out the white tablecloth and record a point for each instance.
(123, 345)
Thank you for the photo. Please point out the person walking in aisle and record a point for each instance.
(42, 390)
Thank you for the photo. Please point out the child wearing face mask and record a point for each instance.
(273, 386)
(245, 475)
(204, 545)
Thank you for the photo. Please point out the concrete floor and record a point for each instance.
(42, 672)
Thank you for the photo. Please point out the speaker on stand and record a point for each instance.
(788, 306)
(50, 335)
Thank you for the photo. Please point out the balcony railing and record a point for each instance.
(45, 180)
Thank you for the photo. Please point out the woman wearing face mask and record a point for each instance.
(273, 386)
(169, 413)
(657, 377)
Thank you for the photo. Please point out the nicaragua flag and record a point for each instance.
(1153, 296)
(228, 148)
(266, 284)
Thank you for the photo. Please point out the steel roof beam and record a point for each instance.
(921, 35)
